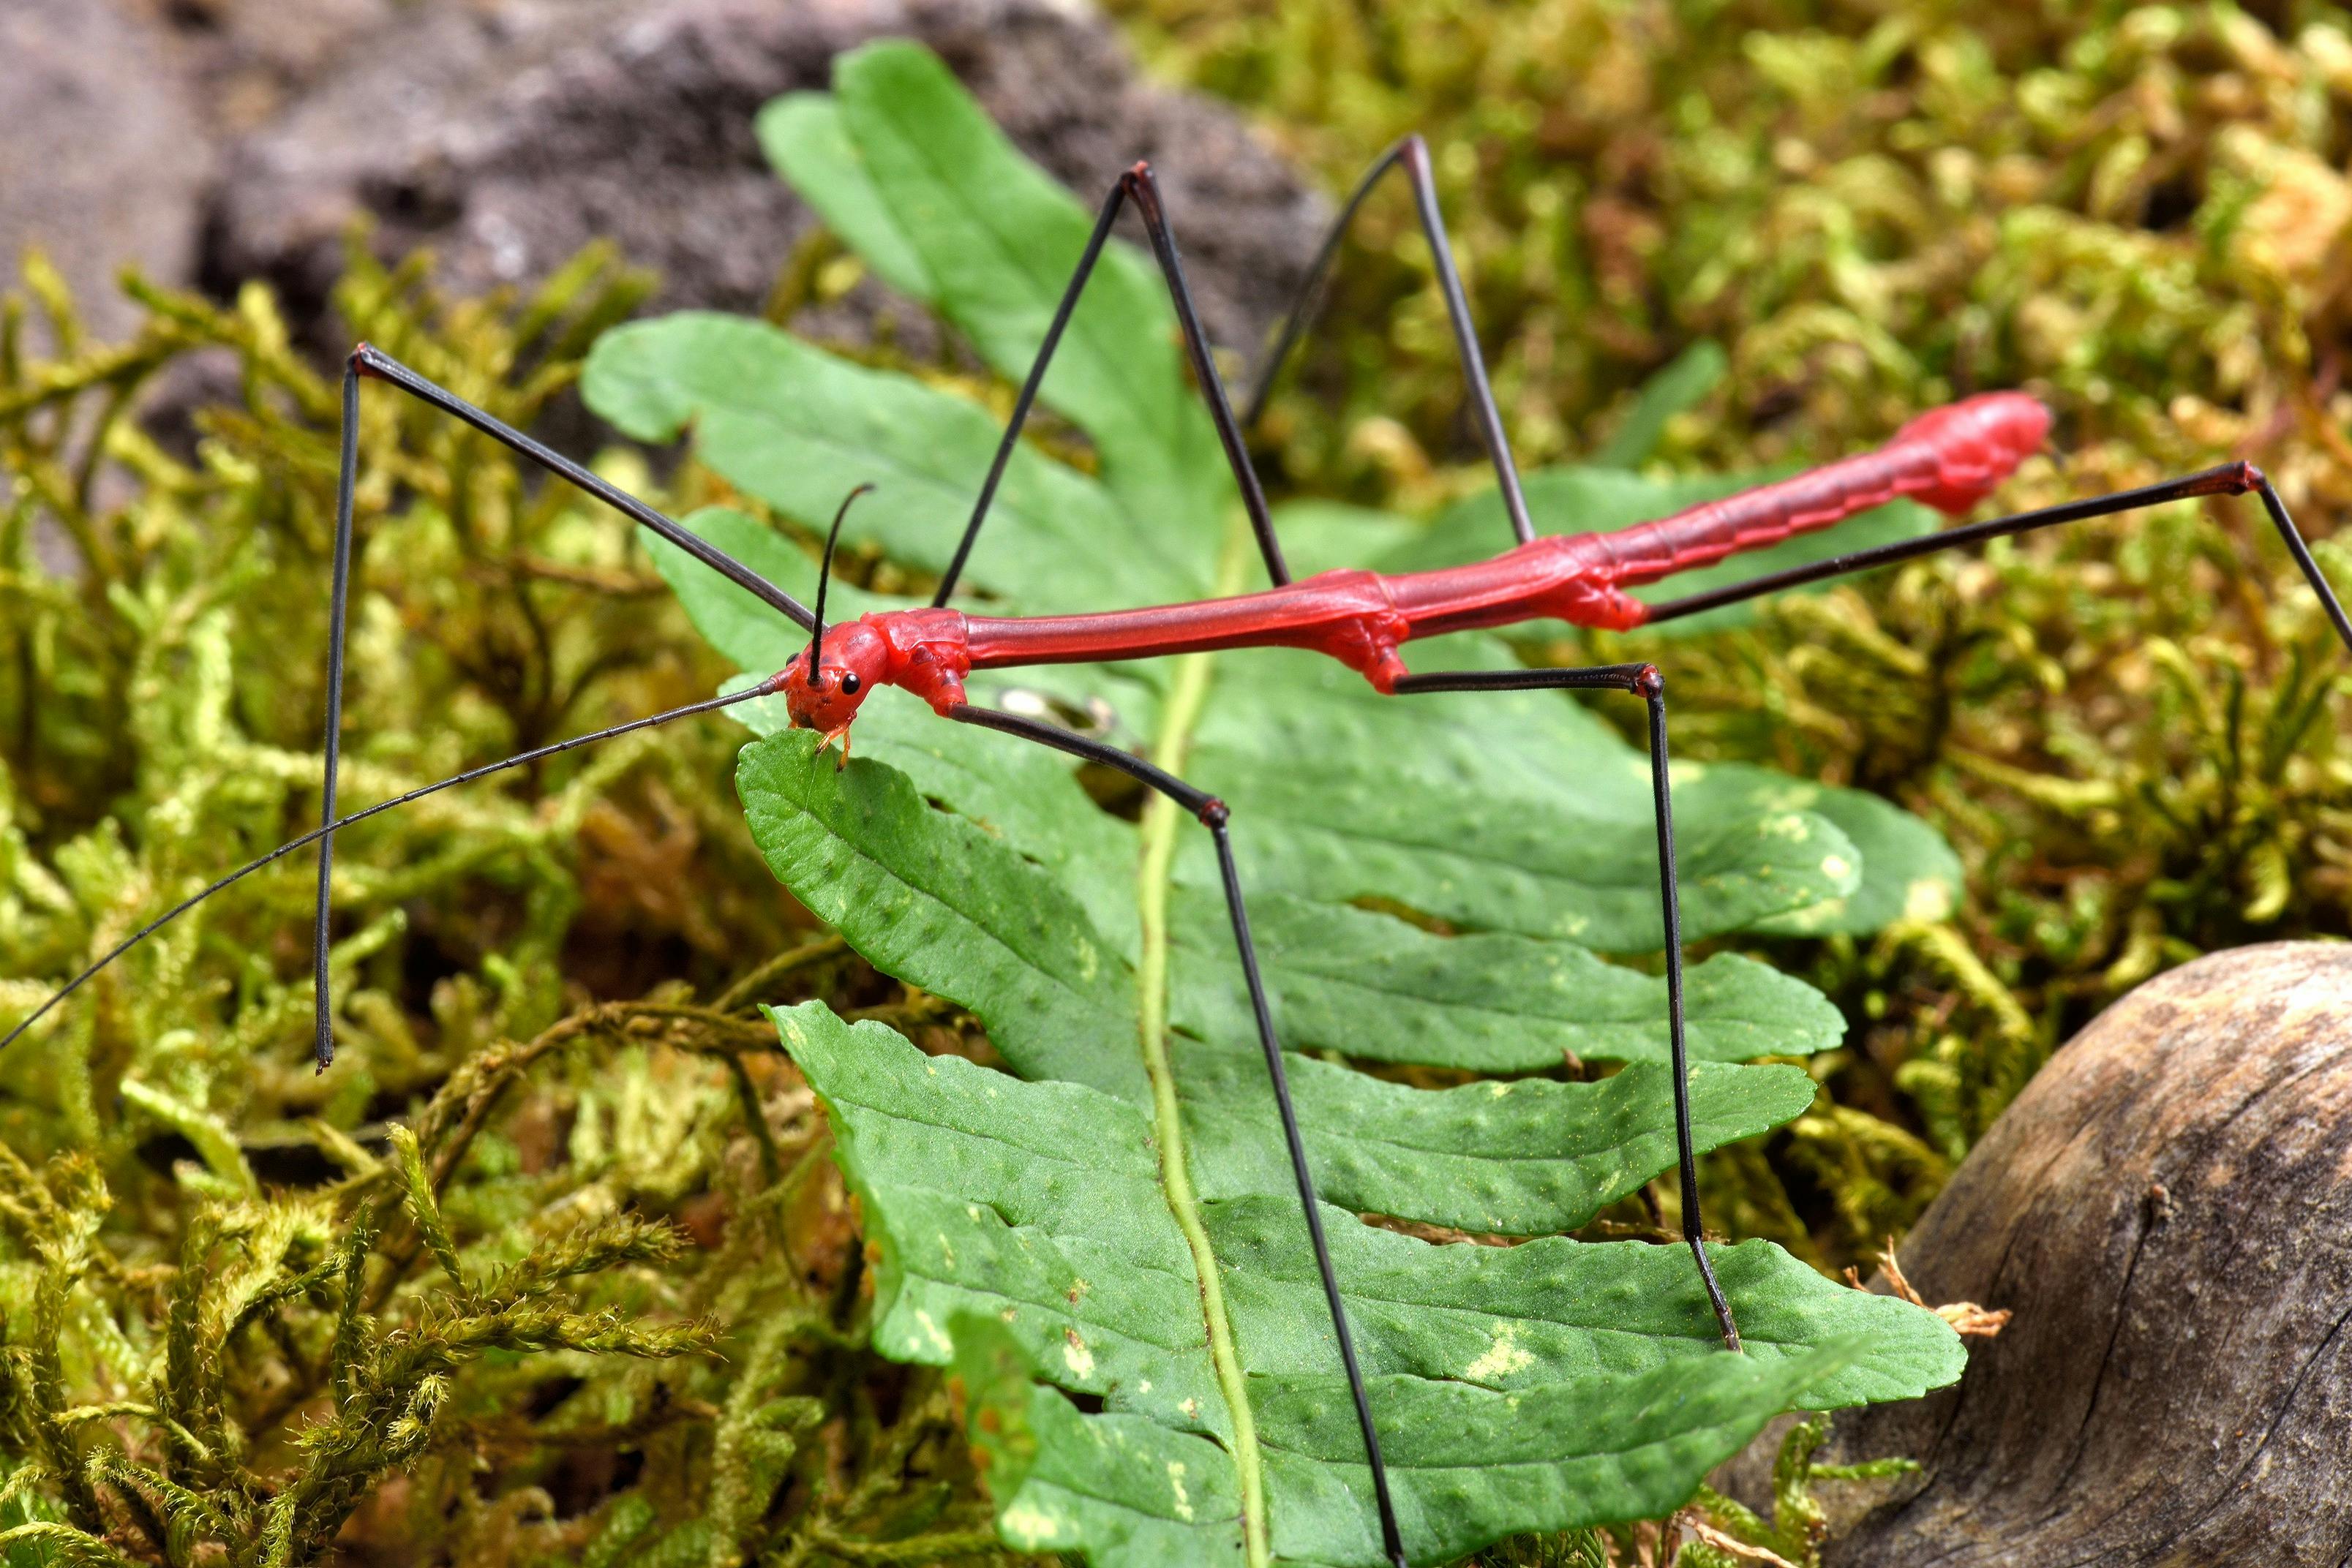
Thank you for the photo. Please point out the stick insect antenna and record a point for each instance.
(825, 579)
(768, 687)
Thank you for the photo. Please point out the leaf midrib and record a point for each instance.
(1188, 695)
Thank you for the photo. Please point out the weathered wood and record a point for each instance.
(2169, 1209)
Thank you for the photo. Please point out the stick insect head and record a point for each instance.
(823, 686)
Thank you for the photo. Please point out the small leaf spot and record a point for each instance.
(1074, 1351)
(1502, 1358)
(1026, 1524)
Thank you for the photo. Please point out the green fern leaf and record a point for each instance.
(1113, 1218)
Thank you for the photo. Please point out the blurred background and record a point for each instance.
(1814, 219)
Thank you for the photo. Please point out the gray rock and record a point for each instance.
(507, 136)
(2166, 1210)
(103, 157)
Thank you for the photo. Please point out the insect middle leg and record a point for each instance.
(1139, 186)
(1412, 154)
(1213, 815)
(1645, 682)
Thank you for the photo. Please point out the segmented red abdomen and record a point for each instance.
(1950, 458)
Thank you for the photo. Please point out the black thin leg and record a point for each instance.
(1021, 404)
(1215, 816)
(1645, 680)
(1138, 186)
(1145, 189)
(768, 687)
(2229, 479)
(323, 1047)
(373, 362)
(367, 361)
(1412, 154)
(2302, 553)
(1652, 687)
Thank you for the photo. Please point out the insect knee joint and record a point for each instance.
(1649, 681)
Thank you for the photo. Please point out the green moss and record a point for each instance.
(574, 1269)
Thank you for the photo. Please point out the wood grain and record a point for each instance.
(2168, 1208)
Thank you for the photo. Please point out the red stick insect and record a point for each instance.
(1951, 458)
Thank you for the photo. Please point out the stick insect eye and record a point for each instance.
(849, 685)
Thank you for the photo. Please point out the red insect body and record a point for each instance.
(1950, 459)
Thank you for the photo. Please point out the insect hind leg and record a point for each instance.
(1645, 682)
(2228, 479)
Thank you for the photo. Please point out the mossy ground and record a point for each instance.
(606, 1308)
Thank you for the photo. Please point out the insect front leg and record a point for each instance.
(1213, 815)
(323, 1046)
(368, 363)
(1645, 682)
(376, 365)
